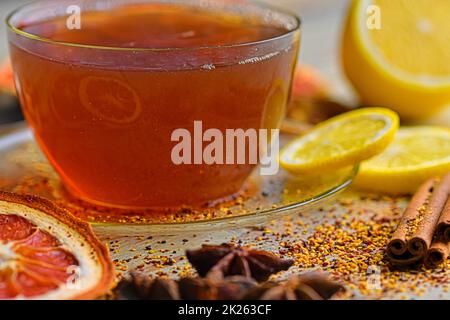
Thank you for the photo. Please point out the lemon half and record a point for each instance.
(397, 53)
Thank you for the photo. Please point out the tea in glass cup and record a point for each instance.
(104, 84)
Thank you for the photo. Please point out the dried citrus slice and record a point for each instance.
(45, 253)
(342, 141)
(309, 83)
(110, 99)
(7, 77)
(415, 155)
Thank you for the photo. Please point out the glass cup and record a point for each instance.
(105, 115)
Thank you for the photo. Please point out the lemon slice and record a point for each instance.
(401, 48)
(415, 155)
(341, 141)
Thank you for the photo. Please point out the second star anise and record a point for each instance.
(232, 288)
(312, 286)
(217, 262)
(142, 287)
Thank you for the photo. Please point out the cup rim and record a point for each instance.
(17, 31)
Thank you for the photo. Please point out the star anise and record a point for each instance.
(313, 286)
(218, 262)
(141, 287)
(233, 288)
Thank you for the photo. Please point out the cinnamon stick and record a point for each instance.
(421, 241)
(413, 238)
(440, 249)
(397, 249)
(443, 228)
(437, 254)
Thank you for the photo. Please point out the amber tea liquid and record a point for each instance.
(106, 125)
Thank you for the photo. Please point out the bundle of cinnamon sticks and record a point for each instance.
(423, 234)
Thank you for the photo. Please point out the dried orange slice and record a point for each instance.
(7, 77)
(110, 99)
(45, 253)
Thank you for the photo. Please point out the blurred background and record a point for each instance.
(322, 28)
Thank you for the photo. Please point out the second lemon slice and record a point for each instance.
(415, 155)
(341, 141)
